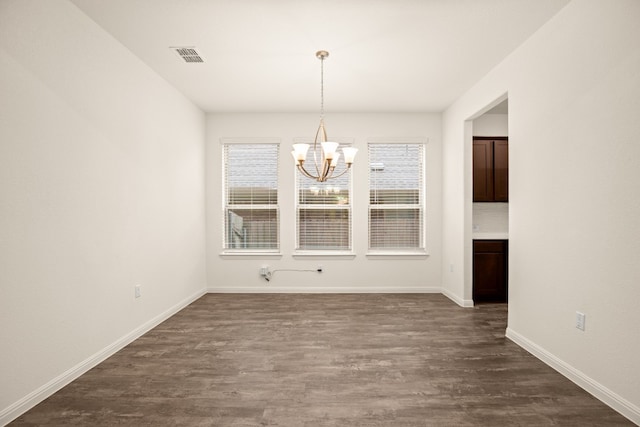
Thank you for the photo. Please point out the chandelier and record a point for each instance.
(326, 158)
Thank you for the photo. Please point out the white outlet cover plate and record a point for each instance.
(580, 320)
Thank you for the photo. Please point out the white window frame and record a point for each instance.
(420, 250)
(327, 252)
(226, 207)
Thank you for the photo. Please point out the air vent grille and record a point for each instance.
(188, 53)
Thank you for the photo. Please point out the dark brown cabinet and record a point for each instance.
(490, 169)
(490, 271)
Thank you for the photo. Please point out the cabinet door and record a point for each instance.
(482, 171)
(501, 170)
(489, 271)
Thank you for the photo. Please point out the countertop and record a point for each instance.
(478, 235)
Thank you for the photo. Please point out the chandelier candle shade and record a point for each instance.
(328, 156)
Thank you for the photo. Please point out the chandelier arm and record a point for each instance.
(315, 161)
(321, 177)
(305, 173)
(341, 173)
(329, 174)
(326, 170)
(323, 134)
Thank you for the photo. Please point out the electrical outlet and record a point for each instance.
(137, 292)
(580, 319)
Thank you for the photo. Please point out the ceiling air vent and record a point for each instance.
(188, 53)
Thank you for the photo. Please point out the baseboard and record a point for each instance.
(602, 393)
(461, 302)
(322, 290)
(32, 399)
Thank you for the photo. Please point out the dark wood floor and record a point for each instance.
(324, 360)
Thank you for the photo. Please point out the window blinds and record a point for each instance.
(251, 196)
(396, 193)
(323, 213)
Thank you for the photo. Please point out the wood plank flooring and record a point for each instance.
(324, 360)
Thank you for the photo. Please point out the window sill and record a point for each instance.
(249, 254)
(398, 254)
(324, 254)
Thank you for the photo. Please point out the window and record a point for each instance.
(396, 196)
(323, 212)
(251, 196)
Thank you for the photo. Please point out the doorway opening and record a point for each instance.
(490, 205)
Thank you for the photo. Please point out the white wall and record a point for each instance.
(101, 187)
(349, 274)
(490, 220)
(573, 92)
(491, 125)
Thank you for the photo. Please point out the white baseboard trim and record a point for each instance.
(322, 290)
(602, 393)
(453, 297)
(18, 408)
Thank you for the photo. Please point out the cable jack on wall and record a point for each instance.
(267, 273)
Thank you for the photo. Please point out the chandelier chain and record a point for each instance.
(321, 88)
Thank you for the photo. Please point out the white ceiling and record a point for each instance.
(385, 55)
